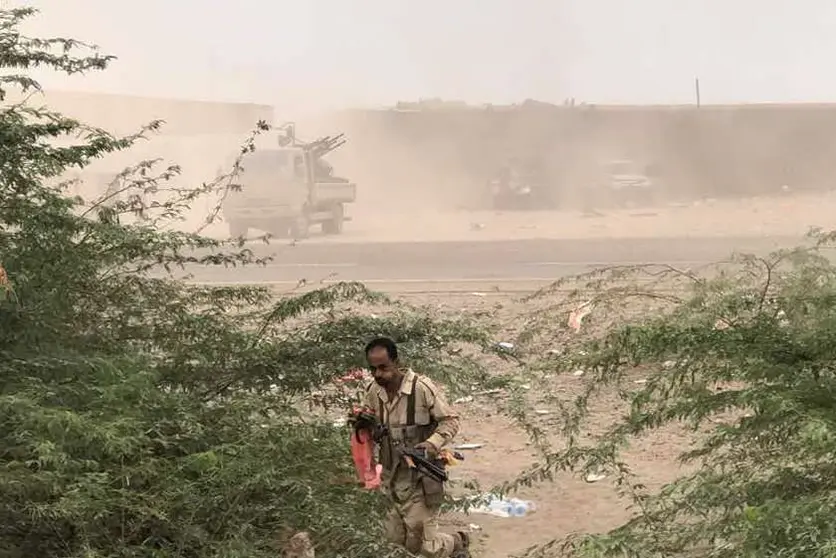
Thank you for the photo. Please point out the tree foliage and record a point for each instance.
(146, 416)
(742, 356)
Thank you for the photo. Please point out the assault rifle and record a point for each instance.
(436, 468)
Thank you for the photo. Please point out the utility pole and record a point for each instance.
(697, 91)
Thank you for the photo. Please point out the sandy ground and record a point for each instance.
(779, 215)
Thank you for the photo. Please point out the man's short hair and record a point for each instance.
(383, 343)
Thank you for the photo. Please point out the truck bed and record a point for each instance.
(334, 192)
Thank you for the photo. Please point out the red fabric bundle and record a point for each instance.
(362, 451)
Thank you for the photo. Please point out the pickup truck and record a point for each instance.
(286, 191)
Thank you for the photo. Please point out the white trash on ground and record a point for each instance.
(500, 507)
(577, 315)
(468, 446)
(594, 477)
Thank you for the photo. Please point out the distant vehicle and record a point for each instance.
(622, 183)
(518, 187)
(288, 190)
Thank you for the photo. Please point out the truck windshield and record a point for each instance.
(269, 162)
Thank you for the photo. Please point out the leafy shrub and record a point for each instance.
(744, 358)
(145, 416)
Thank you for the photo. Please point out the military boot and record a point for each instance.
(462, 545)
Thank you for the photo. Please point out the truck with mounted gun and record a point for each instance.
(287, 190)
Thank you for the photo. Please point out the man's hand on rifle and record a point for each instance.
(429, 449)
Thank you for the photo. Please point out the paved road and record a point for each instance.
(474, 262)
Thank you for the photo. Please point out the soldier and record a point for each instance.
(417, 416)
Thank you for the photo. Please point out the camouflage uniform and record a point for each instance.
(419, 413)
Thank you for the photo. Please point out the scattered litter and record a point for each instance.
(505, 345)
(542, 412)
(512, 507)
(721, 324)
(299, 545)
(525, 386)
(668, 364)
(782, 318)
(469, 446)
(579, 372)
(594, 477)
(478, 294)
(339, 423)
(353, 375)
(555, 352)
(578, 314)
(641, 381)
(467, 399)
(474, 527)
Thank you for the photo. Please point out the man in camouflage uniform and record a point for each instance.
(417, 416)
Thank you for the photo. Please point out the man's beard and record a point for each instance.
(381, 382)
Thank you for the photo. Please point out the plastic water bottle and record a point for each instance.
(499, 508)
(507, 508)
(519, 508)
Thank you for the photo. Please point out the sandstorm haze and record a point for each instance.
(321, 63)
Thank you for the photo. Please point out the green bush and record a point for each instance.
(145, 416)
(744, 358)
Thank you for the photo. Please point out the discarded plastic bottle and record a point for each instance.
(499, 508)
(520, 508)
(508, 508)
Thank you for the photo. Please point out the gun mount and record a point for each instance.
(317, 148)
(324, 145)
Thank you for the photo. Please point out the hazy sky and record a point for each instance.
(319, 53)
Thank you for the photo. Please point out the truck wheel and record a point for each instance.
(238, 229)
(335, 224)
(300, 228)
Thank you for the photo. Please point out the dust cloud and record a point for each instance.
(423, 169)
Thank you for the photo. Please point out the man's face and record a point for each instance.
(384, 370)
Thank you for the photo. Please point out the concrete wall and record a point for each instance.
(710, 151)
(439, 157)
(123, 114)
